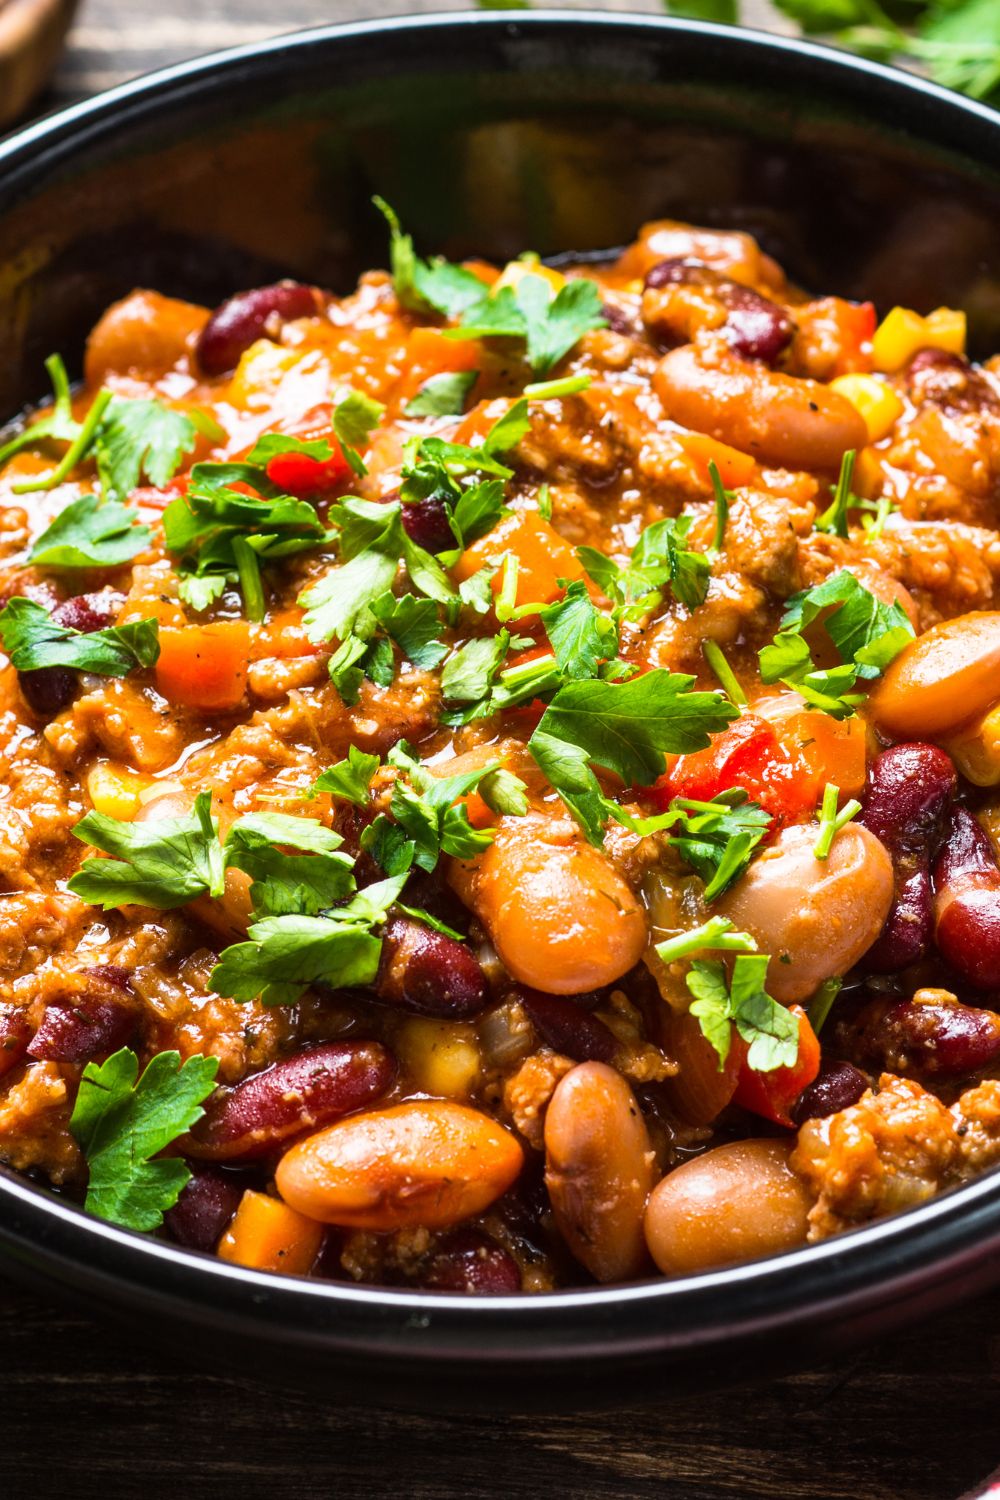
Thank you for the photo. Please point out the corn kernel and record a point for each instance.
(516, 270)
(442, 1057)
(877, 402)
(976, 753)
(902, 332)
(114, 790)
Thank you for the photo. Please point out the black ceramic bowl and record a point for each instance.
(491, 133)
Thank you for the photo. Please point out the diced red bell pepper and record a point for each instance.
(771, 1095)
(298, 474)
(750, 755)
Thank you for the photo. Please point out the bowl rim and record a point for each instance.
(841, 1277)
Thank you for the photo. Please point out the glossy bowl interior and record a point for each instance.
(491, 133)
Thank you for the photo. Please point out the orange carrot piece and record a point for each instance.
(267, 1235)
(543, 556)
(204, 666)
(735, 468)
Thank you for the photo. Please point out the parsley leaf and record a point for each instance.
(58, 426)
(427, 286)
(137, 438)
(550, 324)
(582, 637)
(442, 395)
(470, 671)
(90, 533)
(353, 419)
(866, 634)
(660, 559)
(717, 839)
(286, 954)
(287, 883)
(121, 1124)
(350, 779)
(414, 625)
(33, 640)
(771, 1029)
(164, 863)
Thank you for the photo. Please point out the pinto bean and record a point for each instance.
(922, 1041)
(426, 523)
(15, 1034)
(910, 790)
(270, 1108)
(469, 1261)
(94, 1023)
(428, 972)
(560, 916)
(599, 1170)
(566, 1027)
(202, 1213)
(738, 1202)
(940, 681)
(838, 1086)
(967, 902)
(815, 917)
(779, 419)
(428, 1162)
(241, 320)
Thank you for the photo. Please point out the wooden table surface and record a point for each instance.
(85, 1412)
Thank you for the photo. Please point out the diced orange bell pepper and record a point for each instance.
(735, 468)
(204, 666)
(543, 556)
(771, 1095)
(749, 754)
(832, 750)
(267, 1235)
(429, 353)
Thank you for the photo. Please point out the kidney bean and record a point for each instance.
(427, 972)
(967, 902)
(15, 1034)
(266, 1110)
(910, 790)
(87, 612)
(94, 1023)
(201, 1215)
(47, 690)
(942, 680)
(241, 320)
(598, 1170)
(779, 419)
(950, 382)
(839, 1085)
(469, 1261)
(429, 1162)
(931, 1041)
(426, 523)
(735, 1203)
(568, 1028)
(754, 326)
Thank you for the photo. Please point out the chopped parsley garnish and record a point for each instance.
(205, 528)
(290, 883)
(718, 934)
(723, 498)
(831, 821)
(549, 324)
(426, 818)
(661, 559)
(90, 533)
(353, 419)
(121, 1122)
(283, 955)
(866, 634)
(717, 839)
(582, 637)
(770, 1029)
(442, 395)
(626, 728)
(728, 680)
(349, 779)
(33, 640)
(834, 519)
(163, 863)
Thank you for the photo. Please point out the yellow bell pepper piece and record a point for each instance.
(516, 270)
(902, 332)
(976, 753)
(441, 1057)
(877, 402)
(114, 790)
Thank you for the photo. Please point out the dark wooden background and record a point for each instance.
(86, 1412)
